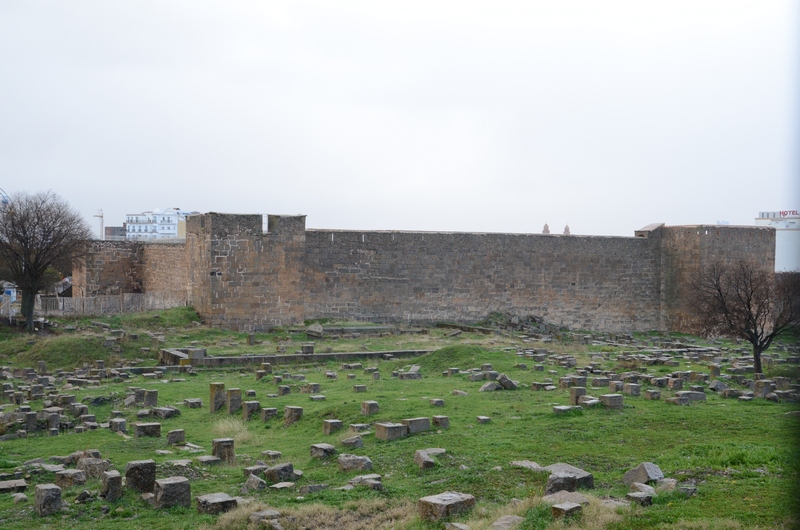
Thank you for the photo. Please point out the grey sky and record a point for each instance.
(467, 116)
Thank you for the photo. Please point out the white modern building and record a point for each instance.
(787, 237)
(156, 224)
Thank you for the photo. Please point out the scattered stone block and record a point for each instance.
(584, 479)
(111, 489)
(150, 429)
(215, 503)
(442, 422)
(322, 451)
(653, 395)
(47, 499)
(353, 442)
(262, 517)
(175, 437)
(369, 408)
(140, 475)
(208, 460)
(193, 403)
(253, 483)
(631, 389)
(13, 486)
(447, 504)
(223, 448)
(70, 477)
(268, 413)
(291, 415)
(233, 400)
(354, 463)
(423, 459)
(484, 419)
(612, 401)
(331, 426)
(280, 473)
(638, 497)
(566, 509)
(563, 496)
(94, 467)
(250, 408)
(575, 393)
(644, 473)
(172, 491)
(390, 431)
(507, 522)
(416, 425)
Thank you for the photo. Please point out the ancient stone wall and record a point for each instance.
(243, 278)
(687, 249)
(110, 267)
(238, 276)
(114, 267)
(580, 281)
(164, 267)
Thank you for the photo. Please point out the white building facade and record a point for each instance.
(156, 224)
(787, 237)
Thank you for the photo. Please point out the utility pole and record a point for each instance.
(102, 229)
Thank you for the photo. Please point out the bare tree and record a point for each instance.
(38, 231)
(742, 299)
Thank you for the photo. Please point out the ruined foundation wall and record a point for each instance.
(164, 267)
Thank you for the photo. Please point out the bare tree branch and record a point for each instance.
(38, 231)
(742, 299)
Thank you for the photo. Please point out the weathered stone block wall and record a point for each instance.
(242, 278)
(111, 267)
(585, 282)
(687, 249)
(164, 267)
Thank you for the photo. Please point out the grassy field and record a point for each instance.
(742, 456)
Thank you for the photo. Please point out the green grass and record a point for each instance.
(741, 455)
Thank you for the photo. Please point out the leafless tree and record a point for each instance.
(37, 231)
(742, 299)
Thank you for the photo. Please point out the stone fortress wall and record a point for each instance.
(238, 276)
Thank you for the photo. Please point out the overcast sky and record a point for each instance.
(413, 115)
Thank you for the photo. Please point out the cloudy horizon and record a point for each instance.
(447, 116)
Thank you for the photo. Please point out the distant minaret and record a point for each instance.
(546, 229)
(566, 230)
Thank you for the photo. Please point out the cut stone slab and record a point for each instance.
(390, 431)
(368, 408)
(172, 491)
(253, 483)
(354, 463)
(47, 500)
(331, 426)
(223, 448)
(291, 415)
(423, 459)
(70, 477)
(280, 473)
(447, 504)
(322, 451)
(354, 442)
(484, 419)
(415, 425)
(215, 503)
(584, 479)
(146, 429)
(638, 497)
(563, 496)
(94, 467)
(645, 473)
(283, 486)
(442, 422)
(13, 486)
(208, 460)
(560, 482)
(643, 488)
(264, 515)
(566, 509)
(507, 522)
(111, 489)
(140, 475)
